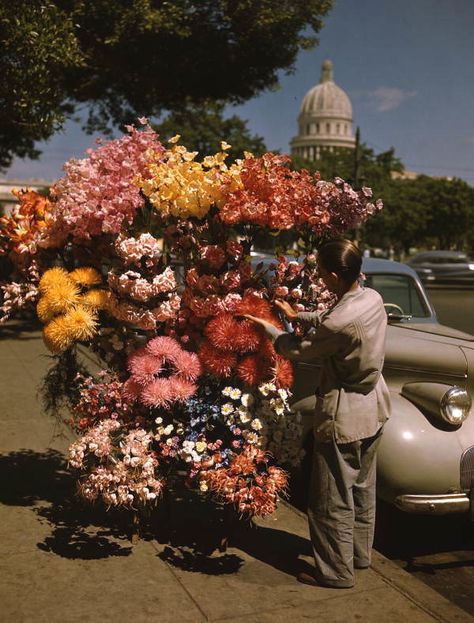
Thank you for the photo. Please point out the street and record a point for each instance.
(438, 550)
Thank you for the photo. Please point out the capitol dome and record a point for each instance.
(325, 119)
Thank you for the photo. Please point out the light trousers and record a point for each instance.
(341, 508)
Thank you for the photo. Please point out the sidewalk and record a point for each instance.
(63, 562)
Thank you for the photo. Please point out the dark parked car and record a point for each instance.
(443, 267)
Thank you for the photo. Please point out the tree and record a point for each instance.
(202, 128)
(374, 170)
(37, 49)
(139, 57)
(424, 212)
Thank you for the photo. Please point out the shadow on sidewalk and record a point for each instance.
(188, 527)
(191, 540)
(42, 481)
(26, 329)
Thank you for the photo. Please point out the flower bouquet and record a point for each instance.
(141, 254)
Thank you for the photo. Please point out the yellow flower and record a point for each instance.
(61, 295)
(81, 322)
(95, 298)
(44, 311)
(201, 446)
(180, 186)
(56, 336)
(86, 276)
(53, 277)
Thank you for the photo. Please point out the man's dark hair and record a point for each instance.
(342, 257)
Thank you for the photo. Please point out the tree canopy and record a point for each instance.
(123, 59)
(425, 212)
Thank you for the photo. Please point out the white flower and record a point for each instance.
(244, 415)
(251, 437)
(203, 486)
(159, 420)
(247, 400)
(267, 388)
(235, 393)
(256, 424)
(227, 390)
(283, 394)
(168, 429)
(227, 408)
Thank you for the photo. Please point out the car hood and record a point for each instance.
(427, 349)
(435, 329)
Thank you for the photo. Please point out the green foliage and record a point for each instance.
(138, 57)
(424, 212)
(203, 127)
(373, 170)
(37, 49)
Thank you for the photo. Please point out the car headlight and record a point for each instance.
(455, 405)
(448, 403)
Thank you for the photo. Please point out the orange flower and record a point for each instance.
(19, 231)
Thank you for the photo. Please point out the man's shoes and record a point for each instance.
(306, 578)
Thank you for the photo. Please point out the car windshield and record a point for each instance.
(399, 291)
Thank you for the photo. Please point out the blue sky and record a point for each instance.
(407, 65)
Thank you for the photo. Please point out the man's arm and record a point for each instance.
(322, 342)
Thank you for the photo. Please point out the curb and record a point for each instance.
(408, 585)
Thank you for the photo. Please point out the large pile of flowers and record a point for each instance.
(142, 254)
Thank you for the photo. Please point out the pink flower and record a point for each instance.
(144, 368)
(98, 195)
(213, 256)
(158, 393)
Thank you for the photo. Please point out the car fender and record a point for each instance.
(415, 456)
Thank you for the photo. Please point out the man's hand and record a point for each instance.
(269, 327)
(287, 309)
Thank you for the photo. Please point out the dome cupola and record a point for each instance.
(325, 119)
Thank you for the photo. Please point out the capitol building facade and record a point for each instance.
(325, 119)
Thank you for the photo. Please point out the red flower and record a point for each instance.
(216, 361)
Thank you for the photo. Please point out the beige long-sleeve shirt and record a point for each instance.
(352, 399)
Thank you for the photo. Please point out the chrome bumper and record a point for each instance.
(433, 504)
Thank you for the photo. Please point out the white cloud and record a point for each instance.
(387, 98)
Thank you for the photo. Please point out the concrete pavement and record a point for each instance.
(61, 561)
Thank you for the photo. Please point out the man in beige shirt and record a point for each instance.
(352, 403)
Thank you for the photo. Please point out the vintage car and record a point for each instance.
(426, 457)
(443, 267)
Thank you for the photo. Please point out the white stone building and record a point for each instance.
(325, 119)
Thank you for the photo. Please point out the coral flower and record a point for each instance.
(257, 306)
(181, 389)
(144, 368)
(164, 347)
(217, 361)
(226, 333)
(252, 370)
(158, 393)
(86, 276)
(188, 365)
(131, 390)
(283, 372)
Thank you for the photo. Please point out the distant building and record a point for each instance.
(325, 119)
(8, 200)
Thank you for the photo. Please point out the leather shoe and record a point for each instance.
(306, 578)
